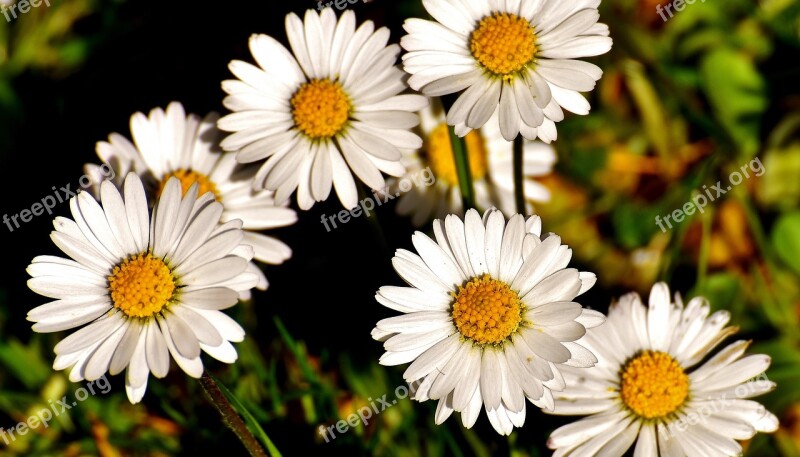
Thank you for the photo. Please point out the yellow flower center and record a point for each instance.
(187, 178)
(321, 108)
(486, 310)
(141, 286)
(654, 385)
(439, 153)
(503, 43)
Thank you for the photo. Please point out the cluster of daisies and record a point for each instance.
(489, 318)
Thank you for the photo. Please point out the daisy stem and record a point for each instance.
(230, 417)
(463, 170)
(519, 186)
(705, 247)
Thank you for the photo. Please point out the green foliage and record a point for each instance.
(681, 104)
(786, 239)
(737, 92)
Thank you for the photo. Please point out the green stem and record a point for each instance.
(230, 417)
(519, 184)
(463, 170)
(705, 246)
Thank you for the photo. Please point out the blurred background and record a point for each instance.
(682, 104)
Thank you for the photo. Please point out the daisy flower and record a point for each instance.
(515, 57)
(489, 318)
(491, 160)
(327, 110)
(169, 144)
(650, 389)
(141, 287)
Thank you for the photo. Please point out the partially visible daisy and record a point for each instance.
(141, 287)
(491, 160)
(516, 58)
(171, 144)
(489, 319)
(651, 388)
(329, 109)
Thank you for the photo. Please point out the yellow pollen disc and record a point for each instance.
(141, 286)
(654, 385)
(440, 155)
(503, 43)
(321, 108)
(187, 178)
(486, 310)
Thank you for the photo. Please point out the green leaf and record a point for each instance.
(25, 363)
(737, 92)
(648, 102)
(635, 225)
(723, 291)
(461, 157)
(786, 240)
(251, 422)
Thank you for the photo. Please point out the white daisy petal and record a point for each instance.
(156, 351)
(329, 110)
(580, 431)
(444, 409)
(475, 234)
(562, 285)
(138, 371)
(470, 414)
(135, 311)
(644, 385)
(436, 259)
(225, 352)
(470, 337)
(100, 359)
(205, 332)
(343, 181)
(124, 352)
(192, 367)
(535, 35)
(434, 356)
(646, 444)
